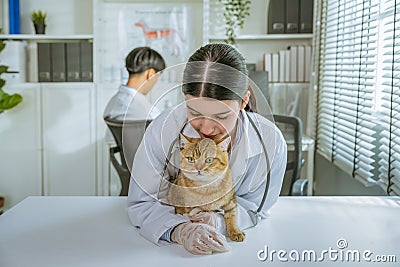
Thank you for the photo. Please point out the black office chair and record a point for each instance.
(291, 128)
(128, 135)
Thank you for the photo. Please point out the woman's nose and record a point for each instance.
(207, 126)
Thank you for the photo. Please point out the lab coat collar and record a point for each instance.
(128, 90)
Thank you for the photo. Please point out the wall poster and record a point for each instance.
(164, 27)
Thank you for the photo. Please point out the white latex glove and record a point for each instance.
(198, 216)
(199, 238)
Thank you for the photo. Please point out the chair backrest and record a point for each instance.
(291, 127)
(127, 135)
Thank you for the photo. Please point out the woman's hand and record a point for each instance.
(198, 216)
(199, 238)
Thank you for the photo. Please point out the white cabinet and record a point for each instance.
(20, 147)
(69, 148)
(109, 183)
(48, 142)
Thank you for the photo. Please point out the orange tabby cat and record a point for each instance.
(205, 182)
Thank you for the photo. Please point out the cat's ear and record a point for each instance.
(183, 141)
(224, 142)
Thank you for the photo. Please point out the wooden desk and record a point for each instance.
(96, 231)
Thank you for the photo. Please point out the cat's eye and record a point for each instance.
(190, 159)
(209, 160)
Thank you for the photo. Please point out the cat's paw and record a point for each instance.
(237, 236)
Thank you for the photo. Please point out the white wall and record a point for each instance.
(331, 181)
(64, 17)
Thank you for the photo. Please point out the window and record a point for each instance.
(389, 102)
(358, 85)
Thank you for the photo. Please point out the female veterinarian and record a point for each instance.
(217, 96)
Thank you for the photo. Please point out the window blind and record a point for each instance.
(389, 137)
(346, 125)
(313, 92)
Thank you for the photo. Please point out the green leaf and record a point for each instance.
(2, 45)
(9, 101)
(38, 17)
(235, 14)
(3, 69)
(2, 83)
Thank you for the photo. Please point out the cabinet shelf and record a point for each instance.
(34, 37)
(266, 36)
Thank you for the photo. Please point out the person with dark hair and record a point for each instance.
(219, 103)
(143, 65)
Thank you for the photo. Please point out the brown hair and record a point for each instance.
(198, 78)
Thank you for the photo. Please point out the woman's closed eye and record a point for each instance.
(195, 114)
(221, 118)
(216, 116)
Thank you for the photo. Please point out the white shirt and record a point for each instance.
(129, 104)
(247, 163)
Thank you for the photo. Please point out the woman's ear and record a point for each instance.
(150, 73)
(245, 100)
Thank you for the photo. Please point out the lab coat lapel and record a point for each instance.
(243, 148)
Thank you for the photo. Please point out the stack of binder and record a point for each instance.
(65, 62)
(292, 65)
(290, 16)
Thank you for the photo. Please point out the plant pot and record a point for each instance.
(40, 28)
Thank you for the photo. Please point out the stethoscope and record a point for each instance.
(254, 214)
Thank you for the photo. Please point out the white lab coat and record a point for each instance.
(129, 104)
(247, 162)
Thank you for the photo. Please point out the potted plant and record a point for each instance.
(7, 101)
(235, 13)
(39, 21)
